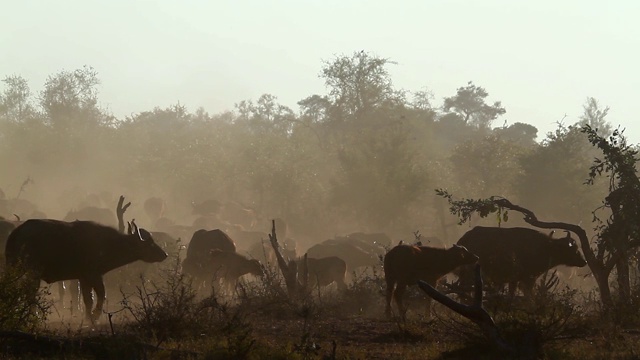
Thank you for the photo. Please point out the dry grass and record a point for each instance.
(165, 319)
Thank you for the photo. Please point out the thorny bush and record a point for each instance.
(23, 307)
(552, 313)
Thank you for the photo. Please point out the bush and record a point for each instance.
(166, 309)
(23, 306)
(527, 324)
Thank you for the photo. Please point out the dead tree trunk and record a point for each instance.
(289, 270)
(120, 210)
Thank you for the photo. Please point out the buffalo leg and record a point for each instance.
(527, 287)
(87, 297)
(61, 291)
(390, 285)
(397, 295)
(427, 310)
(98, 286)
(75, 294)
(513, 287)
(342, 286)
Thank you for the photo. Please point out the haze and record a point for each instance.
(297, 110)
(541, 59)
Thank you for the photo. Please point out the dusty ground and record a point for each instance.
(371, 337)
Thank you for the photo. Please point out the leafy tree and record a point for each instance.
(469, 104)
(266, 115)
(358, 83)
(70, 99)
(157, 143)
(316, 108)
(595, 117)
(422, 101)
(552, 173)
(379, 178)
(619, 234)
(487, 166)
(15, 100)
(520, 133)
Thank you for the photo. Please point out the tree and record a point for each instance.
(552, 173)
(379, 177)
(70, 99)
(487, 166)
(265, 115)
(315, 108)
(520, 133)
(619, 234)
(595, 117)
(469, 104)
(358, 84)
(15, 100)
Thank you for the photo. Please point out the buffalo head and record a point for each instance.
(146, 247)
(566, 251)
(256, 267)
(465, 256)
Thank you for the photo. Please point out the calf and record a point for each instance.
(356, 250)
(404, 265)
(229, 266)
(323, 271)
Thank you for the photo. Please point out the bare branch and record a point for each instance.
(475, 312)
(120, 210)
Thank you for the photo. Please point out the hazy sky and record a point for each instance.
(542, 59)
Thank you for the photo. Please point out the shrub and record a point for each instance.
(23, 307)
(166, 309)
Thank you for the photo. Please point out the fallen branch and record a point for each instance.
(475, 312)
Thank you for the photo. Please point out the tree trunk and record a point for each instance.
(289, 271)
(602, 279)
(120, 210)
(624, 286)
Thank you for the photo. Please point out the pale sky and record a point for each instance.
(542, 59)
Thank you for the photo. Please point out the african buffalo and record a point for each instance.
(517, 256)
(57, 250)
(263, 251)
(229, 266)
(357, 249)
(154, 207)
(198, 260)
(235, 213)
(323, 272)
(92, 213)
(19, 207)
(206, 208)
(6, 227)
(404, 265)
(246, 239)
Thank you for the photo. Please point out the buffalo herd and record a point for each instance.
(86, 246)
